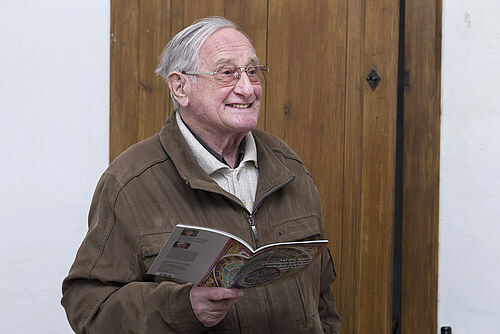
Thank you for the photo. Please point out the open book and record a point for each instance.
(210, 257)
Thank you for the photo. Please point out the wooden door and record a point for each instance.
(316, 98)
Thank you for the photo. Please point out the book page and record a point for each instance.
(278, 262)
(225, 270)
(188, 254)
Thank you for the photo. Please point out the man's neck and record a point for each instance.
(228, 147)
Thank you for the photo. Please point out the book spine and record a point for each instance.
(221, 253)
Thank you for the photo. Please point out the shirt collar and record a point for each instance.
(211, 161)
(240, 153)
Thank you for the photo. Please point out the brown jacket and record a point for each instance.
(156, 184)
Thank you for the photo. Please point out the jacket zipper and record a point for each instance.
(252, 226)
(250, 215)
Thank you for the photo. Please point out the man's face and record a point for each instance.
(224, 111)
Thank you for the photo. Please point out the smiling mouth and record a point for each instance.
(240, 106)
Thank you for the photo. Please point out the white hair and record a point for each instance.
(181, 53)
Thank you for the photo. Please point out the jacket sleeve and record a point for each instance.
(105, 291)
(330, 319)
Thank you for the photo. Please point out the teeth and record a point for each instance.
(239, 105)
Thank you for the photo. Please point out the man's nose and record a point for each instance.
(244, 86)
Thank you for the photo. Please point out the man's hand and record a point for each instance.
(210, 305)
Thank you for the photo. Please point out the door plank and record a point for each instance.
(420, 207)
(351, 220)
(124, 74)
(153, 99)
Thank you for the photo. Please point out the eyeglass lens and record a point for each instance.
(231, 75)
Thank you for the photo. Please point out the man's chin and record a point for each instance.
(244, 124)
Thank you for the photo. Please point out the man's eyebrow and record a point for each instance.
(254, 61)
(226, 61)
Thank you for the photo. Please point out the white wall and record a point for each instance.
(469, 257)
(54, 105)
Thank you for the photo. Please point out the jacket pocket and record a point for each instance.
(296, 300)
(151, 245)
(303, 228)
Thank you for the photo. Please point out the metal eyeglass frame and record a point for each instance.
(239, 69)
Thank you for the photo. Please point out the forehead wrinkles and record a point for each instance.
(227, 46)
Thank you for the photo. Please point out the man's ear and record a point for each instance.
(179, 87)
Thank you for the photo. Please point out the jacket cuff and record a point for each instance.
(178, 311)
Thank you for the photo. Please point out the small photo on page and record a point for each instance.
(189, 232)
(182, 244)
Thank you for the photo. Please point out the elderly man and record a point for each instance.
(210, 167)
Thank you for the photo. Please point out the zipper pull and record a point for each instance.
(252, 225)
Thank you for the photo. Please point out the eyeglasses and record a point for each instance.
(228, 76)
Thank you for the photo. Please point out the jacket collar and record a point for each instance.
(209, 160)
(273, 174)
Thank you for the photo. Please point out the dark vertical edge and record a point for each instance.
(437, 134)
(350, 269)
(140, 92)
(168, 26)
(396, 279)
(339, 297)
(111, 50)
(267, 62)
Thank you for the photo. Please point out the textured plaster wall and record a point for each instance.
(469, 257)
(54, 106)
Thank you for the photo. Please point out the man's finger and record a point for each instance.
(216, 294)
